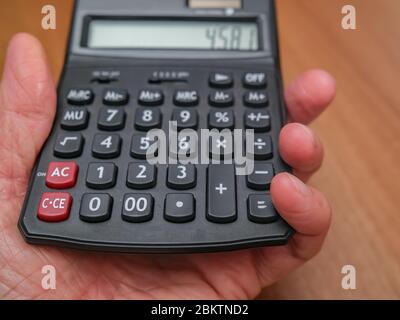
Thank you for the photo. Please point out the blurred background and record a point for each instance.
(360, 131)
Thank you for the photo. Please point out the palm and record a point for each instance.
(27, 100)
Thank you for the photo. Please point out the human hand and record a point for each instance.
(27, 108)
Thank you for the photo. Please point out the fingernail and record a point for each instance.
(299, 185)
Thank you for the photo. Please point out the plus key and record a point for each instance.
(221, 193)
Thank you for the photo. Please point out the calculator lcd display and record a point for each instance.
(173, 34)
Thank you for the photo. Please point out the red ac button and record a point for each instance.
(61, 175)
(54, 207)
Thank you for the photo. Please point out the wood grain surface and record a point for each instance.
(360, 131)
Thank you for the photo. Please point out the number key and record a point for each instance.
(96, 207)
(185, 118)
(141, 175)
(146, 119)
(111, 119)
(137, 207)
(141, 144)
(101, 175)
(181, 176)
(106, 146)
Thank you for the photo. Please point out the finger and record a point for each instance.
(305, 209)
(27, 108)
(309, 95)
(301, 149)
(27, 88)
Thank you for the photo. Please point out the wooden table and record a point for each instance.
(361, 133)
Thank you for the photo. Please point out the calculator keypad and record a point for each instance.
(99, 172)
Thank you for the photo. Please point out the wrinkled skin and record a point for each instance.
(27, 107)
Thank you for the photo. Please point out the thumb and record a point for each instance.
(27, 106)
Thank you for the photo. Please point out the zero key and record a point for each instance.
(221, 193)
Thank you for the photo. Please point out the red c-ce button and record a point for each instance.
(54, 206)
(61, 175)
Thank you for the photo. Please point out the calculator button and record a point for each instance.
(80, 97)
(106, 146)
(221, 193)
(260, 209)
(261, 177)
(111, 119)
(260, 120)
(256, 99)
(186, 147)
(151, 97)
(221, 80)
(115, 97)
(186, 98)
(54, 206)
(185, 118)
(75, 118)
(95, 207)
(255, 80)
(220, 98)
(137, 207)
(61, 175)
(179, 207)
(68, 145)
(141, 175)
(101, 175)
(262, 147)
(146, 119)
(140, 146)
(221, 146)
(221, 119)
(181, 176)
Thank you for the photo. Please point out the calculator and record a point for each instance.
(142, 79)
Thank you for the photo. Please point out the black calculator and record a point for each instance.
(166, 133)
